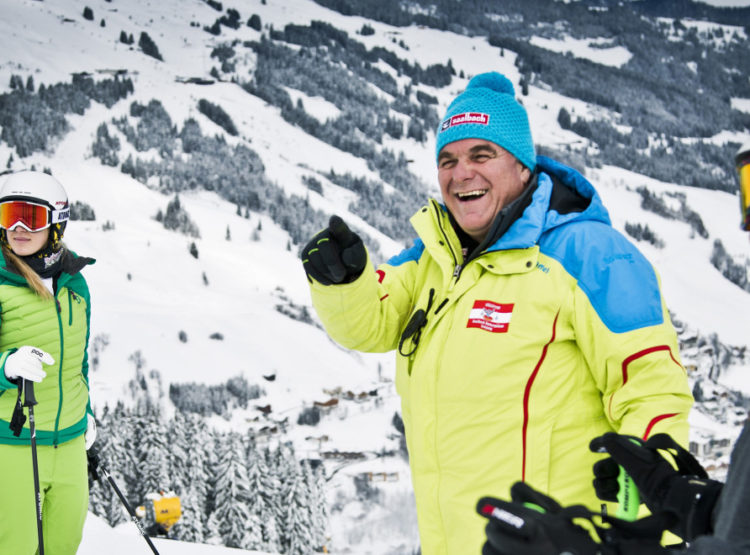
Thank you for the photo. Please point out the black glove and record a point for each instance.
(535, 524)
(92, 457)
(334, 255)
(685, 495)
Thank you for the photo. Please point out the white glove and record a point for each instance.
(26, 363)
(90, 435)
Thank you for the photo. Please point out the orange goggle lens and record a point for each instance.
(33, 217)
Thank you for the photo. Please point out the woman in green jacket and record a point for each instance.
(44, 332)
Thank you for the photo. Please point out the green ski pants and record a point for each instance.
(63, 484)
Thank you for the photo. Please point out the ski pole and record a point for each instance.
(94, 464)
(29, 402)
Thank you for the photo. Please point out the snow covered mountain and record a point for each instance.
(233, 301)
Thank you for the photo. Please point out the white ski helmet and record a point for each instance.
(43, 189)
(38, 187)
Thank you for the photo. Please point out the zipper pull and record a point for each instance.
(457, 270)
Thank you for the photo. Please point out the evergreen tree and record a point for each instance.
(151, 455)
(318, 507)
(297, 533)
(113, 430)
(263, 500)
(148, 46)
(231, 515)
(190, 526)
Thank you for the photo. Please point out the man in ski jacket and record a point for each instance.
(524, 324)
(707, 514)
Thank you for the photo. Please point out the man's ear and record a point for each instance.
(525, 173)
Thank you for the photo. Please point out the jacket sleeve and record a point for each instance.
(625, 332)
(369, 313)
(4, 382)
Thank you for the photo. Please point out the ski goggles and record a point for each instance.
(29, 215)
(743, 169)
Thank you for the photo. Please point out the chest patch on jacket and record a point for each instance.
(490, 316)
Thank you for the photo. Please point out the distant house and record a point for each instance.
(326, 407)
(380, 476)
(343, 455)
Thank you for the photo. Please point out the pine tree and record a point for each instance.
(190, 526)
(103, 500)
(264, 490)
(231, 515)
(180, 451)
(315, 483)
(151, 455)
(298, 526)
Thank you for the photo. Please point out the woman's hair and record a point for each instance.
(31, 277)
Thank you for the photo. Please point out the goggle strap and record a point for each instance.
(60, 215)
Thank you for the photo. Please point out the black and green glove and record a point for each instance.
(686, 495)
(335, 255)
(535, 524)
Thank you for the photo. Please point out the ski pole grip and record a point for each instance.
(29, 400)
(628, 498)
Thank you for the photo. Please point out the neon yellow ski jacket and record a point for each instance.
(554, 334)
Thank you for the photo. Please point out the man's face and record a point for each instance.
(477, 179)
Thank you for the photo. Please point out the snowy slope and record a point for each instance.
(147, 288)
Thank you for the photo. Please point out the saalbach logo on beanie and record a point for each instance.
(488, 110)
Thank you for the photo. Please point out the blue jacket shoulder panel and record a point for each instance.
(412, 254)
(617, 279)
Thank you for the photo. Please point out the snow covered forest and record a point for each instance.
(203, 142)
(233, 491)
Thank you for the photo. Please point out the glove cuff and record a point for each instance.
(691, 501)
(637, 547)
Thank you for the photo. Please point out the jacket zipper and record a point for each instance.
(457, 267)
(59, 371)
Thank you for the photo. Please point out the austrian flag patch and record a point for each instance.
(468, 117)
(489, 316)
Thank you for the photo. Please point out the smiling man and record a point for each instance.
(525, 325)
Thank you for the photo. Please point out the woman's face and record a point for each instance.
(25, 243)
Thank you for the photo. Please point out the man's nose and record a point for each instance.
(463, 170)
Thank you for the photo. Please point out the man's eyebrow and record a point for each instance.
(483, 147)
(444, 154)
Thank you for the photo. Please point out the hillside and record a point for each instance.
(208, 169)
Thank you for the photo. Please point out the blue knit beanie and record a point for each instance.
(488, 110)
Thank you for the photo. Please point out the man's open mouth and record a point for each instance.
(471, 195)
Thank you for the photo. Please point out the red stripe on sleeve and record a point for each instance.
(643, 353)
(631, 358)
(655, 421)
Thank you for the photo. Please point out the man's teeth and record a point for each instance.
(471, 194)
